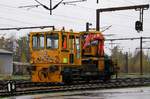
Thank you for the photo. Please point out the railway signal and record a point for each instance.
(138, 25)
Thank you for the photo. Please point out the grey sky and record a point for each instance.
(73, 17)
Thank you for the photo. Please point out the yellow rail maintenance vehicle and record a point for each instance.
(67, 56)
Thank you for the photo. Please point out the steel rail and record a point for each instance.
(28, 87)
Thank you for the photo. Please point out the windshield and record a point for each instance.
(38, 41)
(52, 41)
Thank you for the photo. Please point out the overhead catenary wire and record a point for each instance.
(77, 6)
(125, 15)
(14, 20)
(56, 19)
(70, 18)
(132, 38)
(79, 20)
(130, 2)
(33, 27)
(55, 6)
(64, 16)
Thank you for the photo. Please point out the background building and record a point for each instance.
(6, 60)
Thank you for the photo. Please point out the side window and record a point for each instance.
(35, 42)
(48, 41)
(41, 41)
(52, 41)
(64, 42)
(71, 43)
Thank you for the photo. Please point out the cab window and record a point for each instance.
(78, 47)
(38, 41)
(35, 42)
(64, 41)
(41, 41)
(52, 41)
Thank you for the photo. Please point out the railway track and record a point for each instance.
(11, 88)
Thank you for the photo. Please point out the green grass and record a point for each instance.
(131, 75)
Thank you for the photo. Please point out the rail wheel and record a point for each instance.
(67, 76)
(43, 75)
(107, 77)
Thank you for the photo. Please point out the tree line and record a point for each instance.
(130, 62)
(19, 47)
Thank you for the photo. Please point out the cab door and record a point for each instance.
(75, 49)
(71, 49)
(64, 49)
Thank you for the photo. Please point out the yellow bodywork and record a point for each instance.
(49, 62)
(44, 58)
(39, 76)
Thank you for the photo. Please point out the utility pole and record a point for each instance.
(136, 7)
(141, 56)
(126, 64)
(97, 20)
